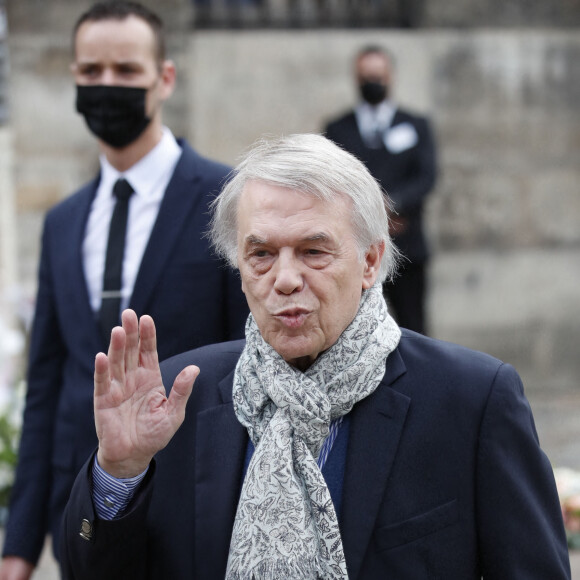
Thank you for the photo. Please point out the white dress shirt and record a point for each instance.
(373, 119)
(149, 178)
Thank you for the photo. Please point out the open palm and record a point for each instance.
(133, 416)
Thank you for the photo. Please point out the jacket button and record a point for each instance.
(86, 530)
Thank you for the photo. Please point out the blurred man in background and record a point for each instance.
(134, 236)
(399, 151)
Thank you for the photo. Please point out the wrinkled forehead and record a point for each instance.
(267, 192)
(269, 212)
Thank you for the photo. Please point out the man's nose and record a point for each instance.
(288, 274)
(108, 78)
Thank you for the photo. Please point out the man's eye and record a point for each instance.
(89, 71)
(259, 253)
(127, 70)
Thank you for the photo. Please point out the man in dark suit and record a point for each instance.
(399, 150)
(168, 268)
(328, 445)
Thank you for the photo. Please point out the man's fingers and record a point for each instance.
(148, 343)
(131, 327)
(182, 388)
(102, 381)
(116, 355)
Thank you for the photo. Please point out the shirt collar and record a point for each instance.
(371, 116)
(146, 175)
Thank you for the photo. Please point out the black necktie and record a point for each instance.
(109, 315)
(375, 137)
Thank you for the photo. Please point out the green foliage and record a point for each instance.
(9, 435)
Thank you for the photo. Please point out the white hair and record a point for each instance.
(313, 165)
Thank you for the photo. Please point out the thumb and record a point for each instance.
(181, 390)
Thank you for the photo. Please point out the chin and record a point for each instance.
(292, 348)
(287, 350)
(298, 357)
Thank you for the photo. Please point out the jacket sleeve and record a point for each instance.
(237, 306)
(93, 549)
(330, 132)
(520, 527)
(409, 196)
(27, 524)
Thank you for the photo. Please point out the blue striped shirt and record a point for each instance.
(328, 442)
(111, 495)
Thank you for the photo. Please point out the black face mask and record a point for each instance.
(116, 115)
(373, 92)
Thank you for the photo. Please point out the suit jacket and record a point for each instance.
(179, 280)
(407, 173)
(444, 479)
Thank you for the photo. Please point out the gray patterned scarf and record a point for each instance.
(285, 525)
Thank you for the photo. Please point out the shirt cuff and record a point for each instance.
(111, 496)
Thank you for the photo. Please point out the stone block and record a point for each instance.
(554, 200)
(42, 96)
(521, 306)
(471, 208)
(501, 13)
(61, 15)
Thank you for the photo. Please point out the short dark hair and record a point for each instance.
(376, 49)
(119, 10)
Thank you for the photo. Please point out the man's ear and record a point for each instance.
(372, 264)
(168, 77)
(74, 68)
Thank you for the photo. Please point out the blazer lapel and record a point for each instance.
(180, 198)
(376, 427)
(357, 139)
(397, 118)
(221, 445)
(74, 283)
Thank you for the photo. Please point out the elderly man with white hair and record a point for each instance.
(330, 444)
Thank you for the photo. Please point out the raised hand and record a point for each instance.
(133, 416)
(15, 568)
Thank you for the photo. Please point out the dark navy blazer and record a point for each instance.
(194, 299)
(444, 479)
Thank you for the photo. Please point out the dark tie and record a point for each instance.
(109, 315)
(375, 138)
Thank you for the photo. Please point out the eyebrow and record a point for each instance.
(319, 237)
(97, 61)
(253, 240)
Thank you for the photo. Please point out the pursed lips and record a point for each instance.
(292, 317)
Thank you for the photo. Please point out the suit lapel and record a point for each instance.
(376, 427)
(221, 445)
(397, 119)
(181, 197)
(358, 141)
(73, 276)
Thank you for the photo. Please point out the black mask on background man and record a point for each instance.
(116, 115)
(373, 92)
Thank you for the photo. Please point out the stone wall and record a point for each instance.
(501, 13)
(59, 15)
(504, 221)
